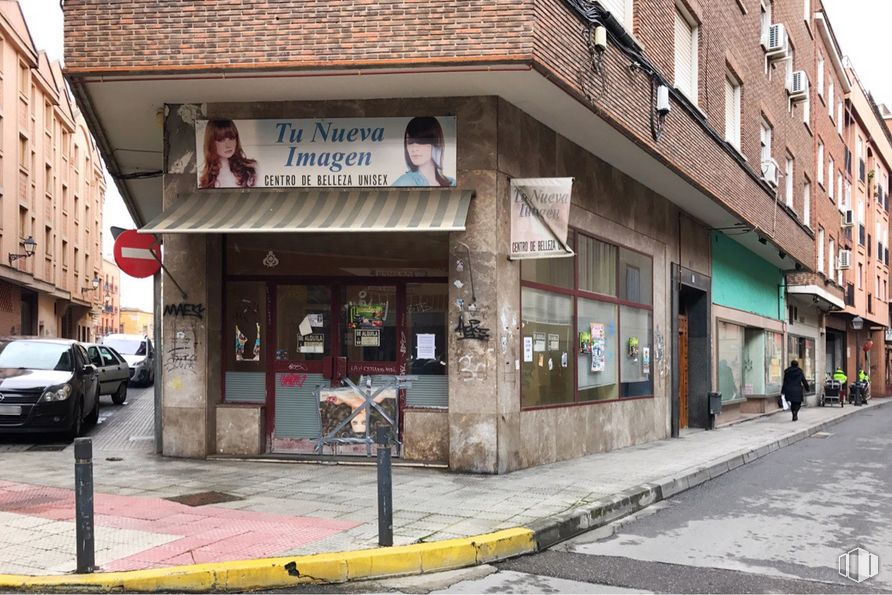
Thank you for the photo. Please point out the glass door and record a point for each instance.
(303, 344)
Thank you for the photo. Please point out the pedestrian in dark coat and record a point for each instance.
(794, 386)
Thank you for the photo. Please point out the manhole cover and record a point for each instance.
(48, 447)
(204, 498)
(821, 435)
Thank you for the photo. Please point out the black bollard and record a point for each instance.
(385, 489)
(83, 494)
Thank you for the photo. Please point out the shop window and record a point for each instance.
(597, 266)
(802, 349)
(303, 322)
(427, 307)
(634, 357)
(245, 334)
(369, 323)
(730, 369)
(547, 375)
(602, 327)
(774, 356)
(549, 271)
(597, 372)
(635, 277)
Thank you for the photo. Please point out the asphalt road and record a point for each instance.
(126, 427)
(777, 525)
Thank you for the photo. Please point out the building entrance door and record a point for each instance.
(332, 342)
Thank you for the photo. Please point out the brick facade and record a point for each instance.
(118, 38)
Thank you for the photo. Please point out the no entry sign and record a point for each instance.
(138, 254)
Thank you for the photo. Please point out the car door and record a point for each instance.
(89, 379)
(97, 360)
(116, 369)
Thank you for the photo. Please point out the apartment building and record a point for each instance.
(51, 210)
(690, 132)
(864, 262)
(110, 293)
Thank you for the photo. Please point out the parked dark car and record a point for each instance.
(46, 385)
(114, 372)
(139, 353)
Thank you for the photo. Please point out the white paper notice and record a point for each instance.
(305, 327)
(527, 349)
(426, 346)
(315, 319)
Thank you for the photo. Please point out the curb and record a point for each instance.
(555, 529)
(340, 567)
(284, 572)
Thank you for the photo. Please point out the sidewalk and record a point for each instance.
(251, 509)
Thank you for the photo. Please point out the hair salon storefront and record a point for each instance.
(337, 301)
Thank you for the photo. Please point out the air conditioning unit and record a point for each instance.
(769, 172)
(845, 260)
(777, 44)
(848, 218)
(797, 86)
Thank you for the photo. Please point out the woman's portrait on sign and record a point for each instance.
(225, 162)
(424, 148)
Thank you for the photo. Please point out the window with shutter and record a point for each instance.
(830, 99)
(820, 163)
(830, 178)
(788, 183)
(621, 11)
(806, 203)
(732, 112)
(820, 78)
(821, 251)
(686, 41)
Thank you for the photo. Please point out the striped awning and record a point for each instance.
(316, 210)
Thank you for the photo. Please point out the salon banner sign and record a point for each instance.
(340, 152)
(540, 214)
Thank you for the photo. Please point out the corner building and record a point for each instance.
(290, 288)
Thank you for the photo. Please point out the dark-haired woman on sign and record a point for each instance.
(424, 146)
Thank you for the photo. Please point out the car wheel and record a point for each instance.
(120, 395)
(77, 422)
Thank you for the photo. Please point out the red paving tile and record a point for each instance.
(208, 534)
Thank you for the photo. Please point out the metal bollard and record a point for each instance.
(83, 494)
(385, 489)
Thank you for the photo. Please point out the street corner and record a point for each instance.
(284, 572)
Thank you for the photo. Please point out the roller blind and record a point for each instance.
(685, 56)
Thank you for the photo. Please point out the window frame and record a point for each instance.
(733, 128)
(693, 57)
(575, 293)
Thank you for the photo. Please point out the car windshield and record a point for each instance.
(127, 346)
(35, 355)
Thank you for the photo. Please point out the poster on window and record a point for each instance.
(540, 213)
(599, 347)
(326, 152)
(313, 343)
(366, 316)
(336, 405)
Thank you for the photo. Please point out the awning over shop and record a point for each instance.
(316, 210)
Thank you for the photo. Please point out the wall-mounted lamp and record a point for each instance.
(94, 283)
(29, 245)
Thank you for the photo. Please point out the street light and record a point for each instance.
(94, 283)
(29, 245)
